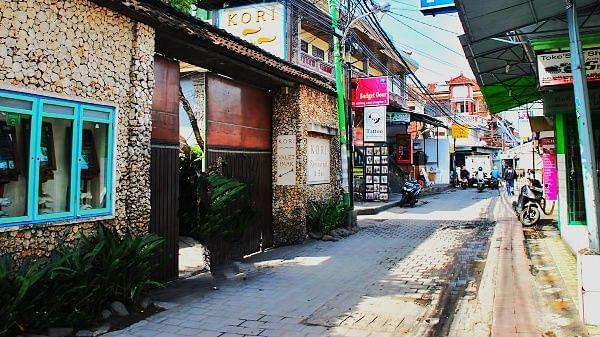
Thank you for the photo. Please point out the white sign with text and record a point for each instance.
(375, 124)
(260, 24)
(319, 161)
(286, 160)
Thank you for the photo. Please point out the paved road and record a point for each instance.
(396, 277)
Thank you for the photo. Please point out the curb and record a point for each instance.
(392, 204)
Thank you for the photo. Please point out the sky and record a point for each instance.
(439, 60)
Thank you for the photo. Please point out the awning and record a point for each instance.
(486, 19)
(497, 43)
(540, 123)
(419, 117)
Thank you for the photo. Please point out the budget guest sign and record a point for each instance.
(286, 160)
(370, 91)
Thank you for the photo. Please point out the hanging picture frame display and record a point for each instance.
(9, 165)
(376, 172)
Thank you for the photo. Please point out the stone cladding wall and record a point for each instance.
(293, 109)
(76, 49)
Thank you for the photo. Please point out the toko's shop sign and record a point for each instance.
(555, 68)
(370, 91)
(260, 24)
(375, 126)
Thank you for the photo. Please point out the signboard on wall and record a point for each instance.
(318, 160)
(370, 91)
(564, 102)
(433, 7)
(550, 169)
(459, 131)
(555, 68)
(286, 160)
(398, 118)
(374, 124)
(260, 24)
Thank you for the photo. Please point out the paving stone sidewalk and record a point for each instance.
(393, 278)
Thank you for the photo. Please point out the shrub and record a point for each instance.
(326, 216)
(76, 283)
(190, 167)
(224, 208)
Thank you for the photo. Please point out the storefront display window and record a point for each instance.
(55, 159)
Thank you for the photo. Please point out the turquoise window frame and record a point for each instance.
(31, 200)
(37, 115)
(107, 209)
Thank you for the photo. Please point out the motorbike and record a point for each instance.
(464, 183)
(481, 182)
(528, 206)
(493, 183)
(410, 192)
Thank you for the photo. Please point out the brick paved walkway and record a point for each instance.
(393, 278)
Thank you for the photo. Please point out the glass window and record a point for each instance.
(15, 131)
(16, 103)
(318, 53)
(93, 164)
(55, 159)
(304, 46)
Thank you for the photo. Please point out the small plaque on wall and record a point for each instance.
(286, 160)
(318, 163)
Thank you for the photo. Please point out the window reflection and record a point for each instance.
(94, 164)
(14, 163)
(54, 160)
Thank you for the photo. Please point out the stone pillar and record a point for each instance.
(137, 196)
(299, 111)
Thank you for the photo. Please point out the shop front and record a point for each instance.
(560, 106)
(389, 147)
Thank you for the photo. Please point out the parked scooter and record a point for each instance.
(528, 206)
(410, 192)
(493, 183)
(464, 183)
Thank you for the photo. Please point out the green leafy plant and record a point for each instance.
(190, 167)
(75, 283)
(326, 216)
(16, 299)
(182, 5)
(224, 209)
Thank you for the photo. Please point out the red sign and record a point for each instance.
(370, 91)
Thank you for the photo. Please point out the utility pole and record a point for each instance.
(339, 84)
(584, 127)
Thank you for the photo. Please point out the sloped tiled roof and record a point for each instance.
(460, 79)
(186, 29)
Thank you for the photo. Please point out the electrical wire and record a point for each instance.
(393, 16)
(426, 24)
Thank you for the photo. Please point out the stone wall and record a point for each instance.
(76, 49)
(293, 110)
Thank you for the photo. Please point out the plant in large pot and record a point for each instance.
(224, 212)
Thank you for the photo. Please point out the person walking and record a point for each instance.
(509, 177)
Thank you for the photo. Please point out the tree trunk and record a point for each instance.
(190, 112)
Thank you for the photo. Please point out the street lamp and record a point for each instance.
(381, 8)
(345, 155)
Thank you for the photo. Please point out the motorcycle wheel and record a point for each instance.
(464, 186)
(529, 216)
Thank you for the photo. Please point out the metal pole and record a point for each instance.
(339, 84)
(584, 127)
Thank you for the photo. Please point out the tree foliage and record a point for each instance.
(181, 5)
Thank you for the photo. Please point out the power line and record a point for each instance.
(415, 79)
(427, 24)
(426, 36)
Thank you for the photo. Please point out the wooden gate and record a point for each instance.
(164, 168)
(254, 169)
(239, 132)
